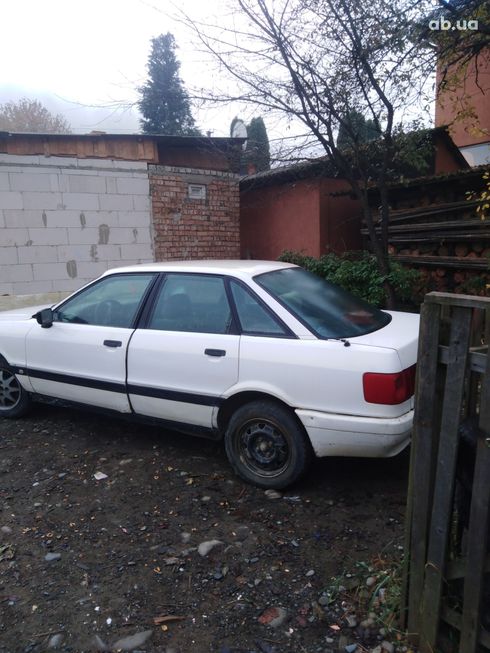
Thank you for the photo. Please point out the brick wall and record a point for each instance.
(65, 220)
(193, 228)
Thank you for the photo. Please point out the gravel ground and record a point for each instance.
(115, 536)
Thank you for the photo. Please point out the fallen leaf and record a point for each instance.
(165, 619)
(7, 552)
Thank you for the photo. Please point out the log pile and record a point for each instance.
(436, 229)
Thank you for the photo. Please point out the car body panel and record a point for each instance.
(190, 383)
(323, 375)
(90, 372)
(348, 435)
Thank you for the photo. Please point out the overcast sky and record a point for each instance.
(85, 59)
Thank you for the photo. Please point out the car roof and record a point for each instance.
(212, 266)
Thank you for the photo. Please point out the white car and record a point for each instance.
(279, 363)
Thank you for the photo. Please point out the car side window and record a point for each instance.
(192, 302)
(113, 301)
(254, 318)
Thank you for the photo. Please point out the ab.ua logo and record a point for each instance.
(446, 25)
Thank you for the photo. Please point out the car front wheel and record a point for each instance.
(266, 446)
(14, 400)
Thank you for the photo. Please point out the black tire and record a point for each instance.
(266, 445)
(14, 400)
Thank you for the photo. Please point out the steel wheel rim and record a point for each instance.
(10, 390)
(263, 448)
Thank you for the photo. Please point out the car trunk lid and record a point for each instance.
(401, 334)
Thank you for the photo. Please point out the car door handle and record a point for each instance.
(215, 352)
(112, 343)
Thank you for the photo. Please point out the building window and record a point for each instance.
(197, 191)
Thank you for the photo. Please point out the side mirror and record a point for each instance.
(44, 318)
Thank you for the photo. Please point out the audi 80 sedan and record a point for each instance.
(279, 363)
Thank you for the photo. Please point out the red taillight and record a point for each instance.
(389, 389)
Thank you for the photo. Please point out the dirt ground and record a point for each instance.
(128, 562)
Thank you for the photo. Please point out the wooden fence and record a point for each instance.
(447, 545)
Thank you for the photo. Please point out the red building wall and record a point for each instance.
(279, 217)
(307, 216)
(340, 218)
(186, 228)
(474, 94)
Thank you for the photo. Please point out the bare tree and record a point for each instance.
(31, 116)
(316, 63)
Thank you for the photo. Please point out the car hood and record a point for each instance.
(401, 334)
(21, 313)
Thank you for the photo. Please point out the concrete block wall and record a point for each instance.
(186, 228)
(64, 221)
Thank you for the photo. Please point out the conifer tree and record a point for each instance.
(164, 102)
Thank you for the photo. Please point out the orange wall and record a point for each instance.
(340, 218)
(280, 217)
(449, 104)
(302, 216)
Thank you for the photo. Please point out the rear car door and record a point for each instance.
(82, 357)
(186, 357)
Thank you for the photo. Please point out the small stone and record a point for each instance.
(125, 461)
(273, 494)
(205, 499)
(52, 557)
(241, 533)
(370, 581)
(310, 573)
(377, 649)
(185, 537)
(6, 530)
(205, 547)
(329, 640)
(324, 599)
(387, 647)
(55, 640)
(273, 617)
(350, 648)
(367, 623)
(351, 621)
(133, 641)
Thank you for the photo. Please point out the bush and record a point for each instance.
(358, 273)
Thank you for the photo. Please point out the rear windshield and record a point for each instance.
(323, 307)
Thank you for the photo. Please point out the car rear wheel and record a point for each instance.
(266, 445)
(14, 400)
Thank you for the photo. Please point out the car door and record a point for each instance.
(186, 357)
(82, 357)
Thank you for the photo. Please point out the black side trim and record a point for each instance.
(72, 380)
(144, 391)
(174, 395)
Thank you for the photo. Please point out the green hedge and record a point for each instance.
(358, 273)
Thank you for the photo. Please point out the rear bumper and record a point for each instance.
(347, 435)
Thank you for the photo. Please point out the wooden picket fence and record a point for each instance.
(446, 573)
